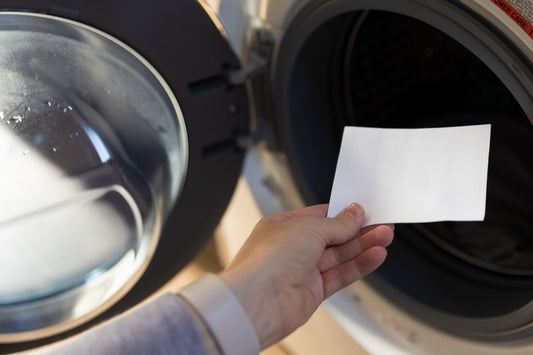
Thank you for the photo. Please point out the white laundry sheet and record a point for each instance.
(413, 175)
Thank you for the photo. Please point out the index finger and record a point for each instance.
(314, 211)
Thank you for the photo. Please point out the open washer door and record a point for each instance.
(118, 147)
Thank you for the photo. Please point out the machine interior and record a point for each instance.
(407, 74)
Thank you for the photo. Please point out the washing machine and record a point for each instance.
(125, 125)
(445, 287)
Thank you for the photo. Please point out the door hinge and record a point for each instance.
(260, 52)
(262, 131)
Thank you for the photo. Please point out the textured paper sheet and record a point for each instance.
(413, 175)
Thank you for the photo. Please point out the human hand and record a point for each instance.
(293, 261)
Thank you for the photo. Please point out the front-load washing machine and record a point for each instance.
(124, 126)
(445, 287)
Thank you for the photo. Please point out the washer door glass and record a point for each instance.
(94, 151)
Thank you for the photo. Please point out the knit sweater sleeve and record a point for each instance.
(165, 325)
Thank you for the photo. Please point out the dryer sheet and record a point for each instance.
(413, 175)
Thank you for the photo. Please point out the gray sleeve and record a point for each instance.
(162, 326)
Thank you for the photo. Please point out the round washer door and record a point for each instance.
(119, 138)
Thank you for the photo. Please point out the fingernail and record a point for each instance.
(354, 210)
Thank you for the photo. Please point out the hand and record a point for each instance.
(293, 261)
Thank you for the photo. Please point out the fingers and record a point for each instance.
(380, 235)
(330, 231)
(314, 211)
(345, 225)
(344, 274)
(369, 228)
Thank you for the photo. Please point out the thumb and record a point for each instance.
(345, 225)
